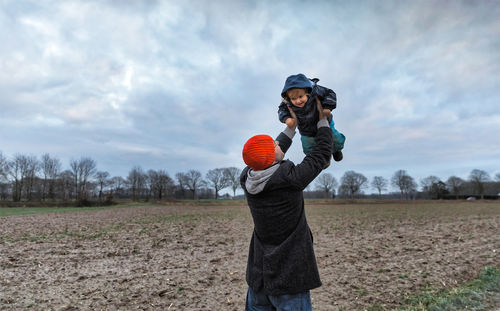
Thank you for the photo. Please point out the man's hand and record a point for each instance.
(323, 113)
(292, 122)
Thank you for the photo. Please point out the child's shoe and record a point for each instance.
(338, 156)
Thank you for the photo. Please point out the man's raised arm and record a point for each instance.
(312, 165)
(285, 138)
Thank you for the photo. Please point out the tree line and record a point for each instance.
(352, 184)
(29, 178)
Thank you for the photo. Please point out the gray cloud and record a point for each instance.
(183, 85)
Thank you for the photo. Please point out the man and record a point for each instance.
(281, 265)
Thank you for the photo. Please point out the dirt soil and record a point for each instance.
(194, 257)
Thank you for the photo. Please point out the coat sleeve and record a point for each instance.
(328, 97)
(285, 139)
(243, 177)
(283, 112)
(301, 175)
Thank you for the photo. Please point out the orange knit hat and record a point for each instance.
(258, 152)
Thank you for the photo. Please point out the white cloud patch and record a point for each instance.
(184, 84)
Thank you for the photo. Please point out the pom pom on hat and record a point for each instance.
(258, 152)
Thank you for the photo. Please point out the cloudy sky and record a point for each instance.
(181, 85)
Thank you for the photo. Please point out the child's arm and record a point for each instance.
(284, 114)
(327, 96)
(285, 138)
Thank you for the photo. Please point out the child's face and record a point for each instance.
(298, 97)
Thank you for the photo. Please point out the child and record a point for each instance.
(299, 93)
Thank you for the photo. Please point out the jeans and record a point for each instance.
(308, 142)
(262, 302)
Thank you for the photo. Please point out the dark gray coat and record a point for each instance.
(281, 257)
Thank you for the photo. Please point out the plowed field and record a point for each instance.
(193, 257)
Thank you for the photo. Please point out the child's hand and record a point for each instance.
(291, 122)
(326, 111)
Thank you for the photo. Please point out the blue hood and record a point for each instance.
(298, 81)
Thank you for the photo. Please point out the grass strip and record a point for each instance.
(478, 294)
(17, 211)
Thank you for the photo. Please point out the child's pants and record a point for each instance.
(308, 142)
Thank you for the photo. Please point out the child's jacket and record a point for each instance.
(308, 115)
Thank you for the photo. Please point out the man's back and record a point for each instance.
(281, 256)
(277, 209)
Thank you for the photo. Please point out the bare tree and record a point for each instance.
(233, 175)
(428, 184)
(434, 187)
(32, 168)
(379, 183)
(326, 183)
(83, 170)
(455, 185)
(88, 168)
(217, 179)
(102, 181)
(194, 181)
(439, 190)
(91, 189)
(165, 184)
(497, 178)
(151, 183)
(136, 179)
(404, 182)
(116, 184)
(4, 185)
(66, 185)
(16, 170)
(75, 173)
(3, 167)
(410, 186)
(353, 182)
(182, 180)
(478, 178)
(22, 169)
(398, 181)
(160, 183)
(4, 190)
(50, 170)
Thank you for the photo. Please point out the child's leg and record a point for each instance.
(338, 138)
(308, 144)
